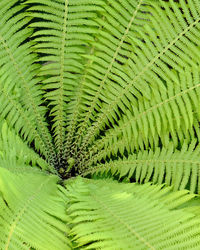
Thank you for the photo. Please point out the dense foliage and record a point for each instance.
(99, 124)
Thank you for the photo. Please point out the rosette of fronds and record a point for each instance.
(109, 91)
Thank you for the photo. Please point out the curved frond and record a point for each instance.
(17, 76)
(178, 168)
(173, 114)
(110, 215)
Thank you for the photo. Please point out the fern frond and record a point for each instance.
(19, 116)
(123, 147)
(32, 213)
(73, 114)
(110, 52)
(110, 215)
(148, 75)
(173, 114)
(18, 71)
(178, 168)
(66, 28)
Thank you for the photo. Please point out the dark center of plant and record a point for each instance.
(66, 169)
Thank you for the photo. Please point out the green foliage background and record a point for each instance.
(99, 121)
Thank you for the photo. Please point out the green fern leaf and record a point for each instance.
(31, 207)
(63, 38)
(176, 168)
(107, 90)
(148, 74)
(18, 73)
(109, 215)
(16, 156)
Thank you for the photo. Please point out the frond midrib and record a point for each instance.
(32, 104)
(22, 211)
(123, 223)
(60, 139)
(91, 108)
(76, 113)
(109, 165)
